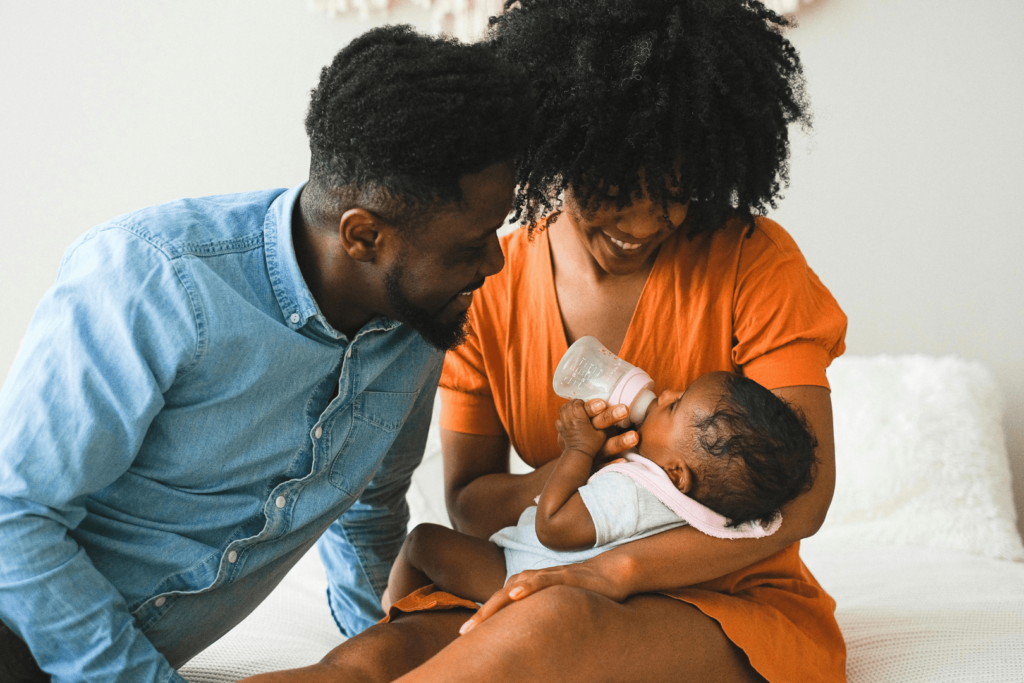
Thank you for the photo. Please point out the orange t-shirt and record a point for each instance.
(718, 302)
(721, 301)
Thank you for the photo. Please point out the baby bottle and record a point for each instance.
(588, 370)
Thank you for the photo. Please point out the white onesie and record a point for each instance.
(628, 500)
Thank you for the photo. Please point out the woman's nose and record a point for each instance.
(639, 228)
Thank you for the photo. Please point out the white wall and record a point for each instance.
(904, 199)
(110, 105)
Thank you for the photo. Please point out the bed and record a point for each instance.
(920, 549)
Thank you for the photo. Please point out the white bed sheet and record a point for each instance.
(909, 615)
(923, 615)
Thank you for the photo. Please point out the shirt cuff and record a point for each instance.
(796, 364)
(469, 413)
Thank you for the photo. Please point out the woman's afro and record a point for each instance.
(683, 99)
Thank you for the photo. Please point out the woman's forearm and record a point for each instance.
(685, 556)
(494, 501)
(682, 557)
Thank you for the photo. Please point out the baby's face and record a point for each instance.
(669, 436)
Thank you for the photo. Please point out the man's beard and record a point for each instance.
(443, 335)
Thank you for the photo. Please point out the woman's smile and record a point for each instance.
(624, 246)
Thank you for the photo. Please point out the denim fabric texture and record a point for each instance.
(181, 424)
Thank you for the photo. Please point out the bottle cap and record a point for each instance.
(629, 388)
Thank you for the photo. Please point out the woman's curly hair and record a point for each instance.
(683, 99)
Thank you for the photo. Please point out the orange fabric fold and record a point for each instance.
(427, 598)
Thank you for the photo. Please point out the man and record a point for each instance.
(213, 384)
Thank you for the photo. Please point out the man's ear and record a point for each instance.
(363, 234)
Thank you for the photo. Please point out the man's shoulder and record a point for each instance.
(199, 226)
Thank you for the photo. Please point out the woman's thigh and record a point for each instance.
(568, 634)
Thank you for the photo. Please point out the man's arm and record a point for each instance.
(359, 548)
(78, 402)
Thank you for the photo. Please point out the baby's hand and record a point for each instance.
(575, 431)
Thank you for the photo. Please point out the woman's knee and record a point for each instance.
(547, 611)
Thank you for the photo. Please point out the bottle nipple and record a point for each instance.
(638, 411)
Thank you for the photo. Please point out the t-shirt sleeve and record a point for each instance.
(613, 504)
(467, 400)
(788, 327)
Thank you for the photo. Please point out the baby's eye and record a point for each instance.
(675, 403)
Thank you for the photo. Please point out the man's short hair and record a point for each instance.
(399, 117)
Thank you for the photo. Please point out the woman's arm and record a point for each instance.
(685, 556)
(482, 497)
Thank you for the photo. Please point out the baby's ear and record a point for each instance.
(681, 476)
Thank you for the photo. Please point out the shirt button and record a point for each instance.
(159, 602)
(295, 318)
(318, 432)
(281, 501)
(232, 557)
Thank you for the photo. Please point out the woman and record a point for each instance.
(663, 133)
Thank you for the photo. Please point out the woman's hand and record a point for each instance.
(591, 575)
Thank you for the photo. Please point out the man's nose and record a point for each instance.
(495, 259)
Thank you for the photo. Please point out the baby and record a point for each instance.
(723, 456)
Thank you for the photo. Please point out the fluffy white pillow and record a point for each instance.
(920, 457)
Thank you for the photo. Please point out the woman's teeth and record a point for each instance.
(625, 246)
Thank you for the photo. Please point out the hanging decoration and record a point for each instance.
(786, 6)
(464, 19)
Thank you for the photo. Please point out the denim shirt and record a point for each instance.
(181, 424)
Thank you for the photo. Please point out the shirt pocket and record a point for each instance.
(384, 409)
(377, 418)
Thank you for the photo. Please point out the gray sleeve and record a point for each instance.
(614, 505)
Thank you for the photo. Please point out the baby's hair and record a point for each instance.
(760, 453)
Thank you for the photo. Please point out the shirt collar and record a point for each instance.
(296, 301)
